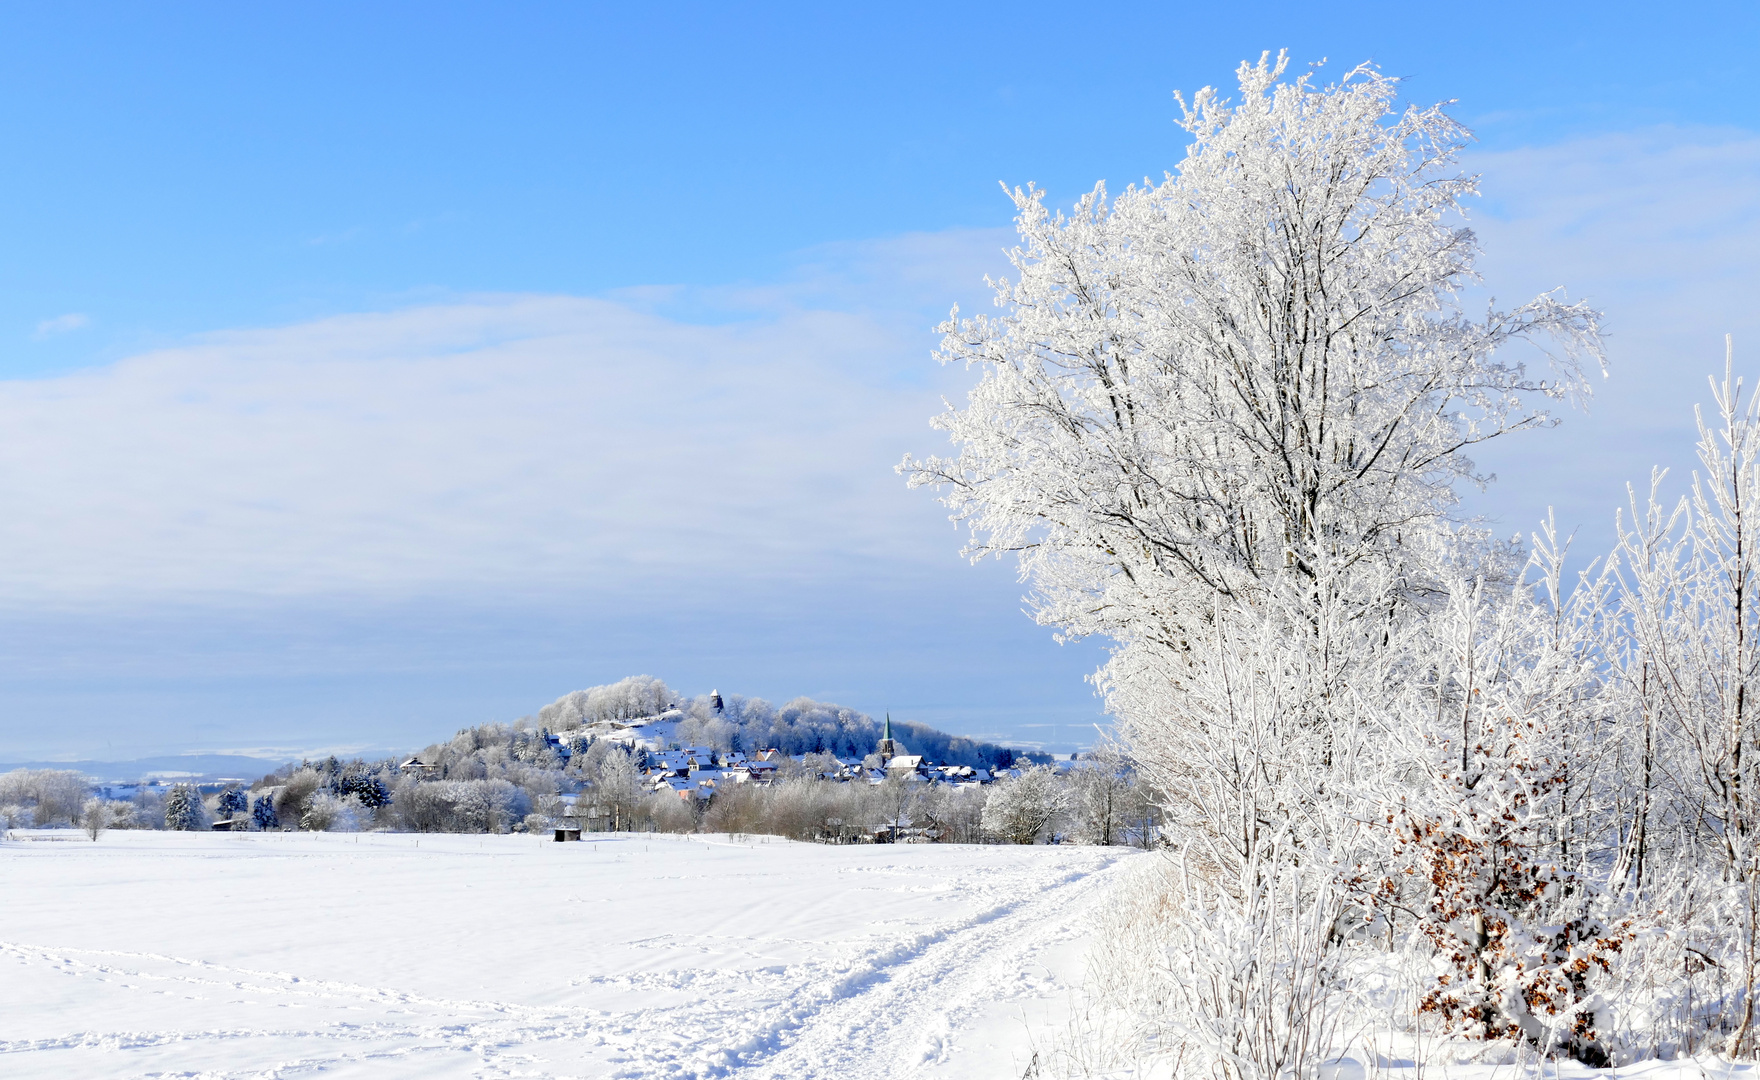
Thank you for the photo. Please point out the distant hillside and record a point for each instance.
(801, 726)
(193, 767)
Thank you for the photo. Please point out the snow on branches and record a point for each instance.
(1257, 370)
(1222, 420)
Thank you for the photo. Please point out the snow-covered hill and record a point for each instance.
(256, 955)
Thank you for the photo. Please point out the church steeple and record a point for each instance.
(889, 747)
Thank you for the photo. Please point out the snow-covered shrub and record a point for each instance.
(94, 817)
(125, 814)
(295, 791)
(670, 814)
(735, 809)
(494, 806)
(327, 812)
(99, 815)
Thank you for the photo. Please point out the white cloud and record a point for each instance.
(1658, 228)
(62, 324)
(682, 439)
(507, 444)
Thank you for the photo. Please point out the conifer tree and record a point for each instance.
(369, 790)
(232, 801)
(183, 809)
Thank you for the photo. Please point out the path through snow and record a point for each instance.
(391, 955)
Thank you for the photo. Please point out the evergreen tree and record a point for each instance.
(183, 809)
(370, 791)
(233, 801)
(264, 813)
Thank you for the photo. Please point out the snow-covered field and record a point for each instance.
(393, 955)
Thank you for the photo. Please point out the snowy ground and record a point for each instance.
(392, 955)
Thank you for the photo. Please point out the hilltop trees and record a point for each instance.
(626, 699)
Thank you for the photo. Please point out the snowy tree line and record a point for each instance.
(48, 798)
(1097, 802)
(41, 797)
(1221, 421)
(501, 778)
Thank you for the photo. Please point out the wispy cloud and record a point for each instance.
(332, 239)
(517, 444)
(667, 466)
(1657, 228)
(62, 324)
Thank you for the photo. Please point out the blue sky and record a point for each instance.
(371, 370)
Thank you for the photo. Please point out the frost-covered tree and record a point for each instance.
(618, 788)
(51, 795)
(1688, 620)
(1254, 380)
(1248, 389)
(366, 789)
(899, 801)
(1105, 799)
(183, 809)
(95, 817)
(1221, 420)
(1021, 810)
(232, 802)
(263, 813)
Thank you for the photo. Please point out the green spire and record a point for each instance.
(887, 734)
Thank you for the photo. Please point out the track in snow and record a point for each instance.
(386, 956)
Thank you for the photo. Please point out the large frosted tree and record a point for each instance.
(1222, 421)
(1256, 375)
(1229, 412)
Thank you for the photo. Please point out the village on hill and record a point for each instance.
(697, 771)
(636, 757)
